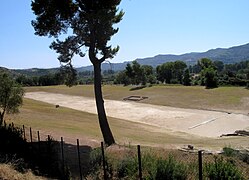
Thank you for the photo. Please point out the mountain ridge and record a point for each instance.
(226, 55)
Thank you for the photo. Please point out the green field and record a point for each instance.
(76, 124)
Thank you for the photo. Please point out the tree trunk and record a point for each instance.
(1, 118)
(104, 126)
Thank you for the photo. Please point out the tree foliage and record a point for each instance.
(89, 25)
(186, 78)
(209, 76)
(11, 95)
(139, 74)
(171, 71)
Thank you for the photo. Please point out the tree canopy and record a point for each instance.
(11, 95)
(208, 73)
(89, 25)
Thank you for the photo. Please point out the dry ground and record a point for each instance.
(198, 122)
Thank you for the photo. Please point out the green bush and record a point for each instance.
(222, 170)
(244, 157)
(127, 167)
(230, 152)
(152, 168)
(149, 164)
(170, 169)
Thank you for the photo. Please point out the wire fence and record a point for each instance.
(77, 161)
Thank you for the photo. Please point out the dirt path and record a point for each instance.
(197, 122)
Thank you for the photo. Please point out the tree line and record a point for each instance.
(205, 73)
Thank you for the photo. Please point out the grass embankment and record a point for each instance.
(232, 99)
(8, 172)
(76, 124)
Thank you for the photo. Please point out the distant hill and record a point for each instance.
(36, 71)
(30, 72)
(227, 55)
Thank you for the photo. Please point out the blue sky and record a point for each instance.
(149, 28)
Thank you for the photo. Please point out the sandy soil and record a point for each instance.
(197, 122)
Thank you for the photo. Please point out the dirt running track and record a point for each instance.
(197, 122)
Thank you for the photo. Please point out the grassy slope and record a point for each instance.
(7, 171)
(67, 122)
(75, 124)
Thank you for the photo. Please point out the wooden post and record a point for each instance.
(200, 164)
(30, 132)
(139, 162)
(78, 148)
(103, 159)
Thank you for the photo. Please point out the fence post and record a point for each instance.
(139, 162)
(78, 148)
(39, 143)
(49, 156)
(103, 158)
(62, 157)
(24, 136)
(30, 131)
(200, 164)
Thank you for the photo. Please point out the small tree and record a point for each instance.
(165, 72)
(11, 95)
(122, 78)
(137, 73)
(210, 77)
(186, 78)
(89, 25)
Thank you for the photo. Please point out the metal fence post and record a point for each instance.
(78, 148)
(103, 158)
(139, 162)
(39, 141)
(24, 136)
(200, 164)
(62, 157)
(30, 132)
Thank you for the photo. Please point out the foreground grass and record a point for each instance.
(8, 172)
(72, 124)
(232, 99)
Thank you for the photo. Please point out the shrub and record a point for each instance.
(228, 151)
(127, 167)
(221, 169)
(95, 158)
(170, 169)
(242, 155)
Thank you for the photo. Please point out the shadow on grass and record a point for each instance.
(45, 158)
